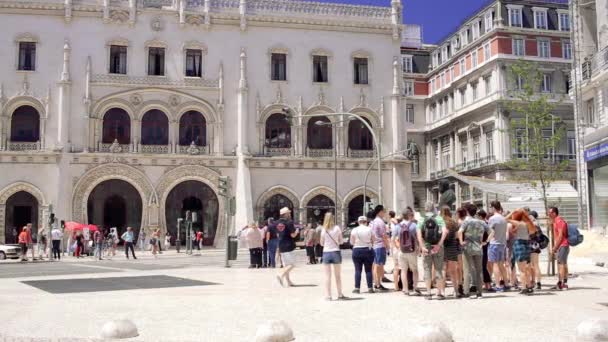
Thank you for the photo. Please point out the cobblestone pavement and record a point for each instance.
(245, 298)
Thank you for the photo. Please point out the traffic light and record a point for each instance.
(224, 186)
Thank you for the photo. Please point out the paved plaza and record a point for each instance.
(194, 298)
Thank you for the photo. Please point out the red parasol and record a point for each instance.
(75, 226)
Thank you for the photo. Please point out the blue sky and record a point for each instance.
(437, 17)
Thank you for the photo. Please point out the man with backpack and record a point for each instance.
(408, 253)
(560, 248)
(431, 233)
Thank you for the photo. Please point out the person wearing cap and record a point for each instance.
(287, 234)
(362, 240)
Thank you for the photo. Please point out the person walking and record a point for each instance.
(154, 243)
(561, 247)
(287, 234)
(56, 236)
(23, 239)
(254, 241)
(42, 244)
(395, 229)
(79, 244)
(98, 240)
(167, 241)
(451, 247)
(30, 243)
(521, 228)
(309, 242)
(362, 240)
(381, 244)
(497, 248)
(263, 230)
(408, 251)
(128, 237)
(470, 236)
(142, 241)
(199, 239)
(272, 240)
(331, 239)
(431, 233)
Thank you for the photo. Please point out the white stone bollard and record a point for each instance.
(593, 330)
(119, 329)
(432, 332)
(274, 331)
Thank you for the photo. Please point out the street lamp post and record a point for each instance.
(178, 241)
(368, 171)
(335, 128)
(377, 141)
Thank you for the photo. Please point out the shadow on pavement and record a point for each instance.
(304, 285)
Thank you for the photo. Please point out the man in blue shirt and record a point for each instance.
(129, 237)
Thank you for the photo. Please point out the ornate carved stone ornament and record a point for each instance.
(136, 99)
(174, 100)
(25, 87)
(119, 16)
(362, 98)
(115, 147)
(195, 20)
(321, 101)
(279, 98)
(193, 149)
(157, 24)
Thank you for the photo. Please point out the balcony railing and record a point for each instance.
(361, 153)
(320, 153)
(552, 158)
(154, 149)
(23, 146)
(114, 148)
(192, 149)
(277, 151)
(596, 64)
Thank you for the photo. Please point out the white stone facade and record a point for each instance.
(73, 86)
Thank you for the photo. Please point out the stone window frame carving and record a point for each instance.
(282, 50)
(156, 43)
(362, 54)
(325, 53)
(26, 37)
(194, 45)
(117, 42)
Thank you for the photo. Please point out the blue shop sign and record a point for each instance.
(596, 152)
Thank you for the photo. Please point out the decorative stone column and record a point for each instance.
(63, 103)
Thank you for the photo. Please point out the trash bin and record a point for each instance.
(233, 246)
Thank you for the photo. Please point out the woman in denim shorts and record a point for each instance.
(331, 239)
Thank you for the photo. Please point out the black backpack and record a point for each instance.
(432, 232)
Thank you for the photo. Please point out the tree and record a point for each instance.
(535, 132)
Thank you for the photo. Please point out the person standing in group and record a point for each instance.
(142, 241)
(287, 234)
(167, 241)
(561, 247)
(263, 230)
(24, 241)
(331, 239)
(362, 240)
(98, 240)
(309, 242)
(31, 241)
(395, 229)
(470, 236)
(253, 236)
(42, 244)
(451, 247)
(318, 248)
(535, 250)
(199, 239)
(487, 276)
(380, 245)
(497, 249)
(154, 243)
(56, 236)
(79, 244)
(431, 233)
(272, 240)
(521, 228)
(408, 251)
(128, 237)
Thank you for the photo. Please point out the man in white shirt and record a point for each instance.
(56, 236)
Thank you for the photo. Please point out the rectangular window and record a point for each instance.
(319, 65)
(515, 17)
(278, 63)
(464, 151)
(540, 19)
(474, 90)
(490, 144)
(27, 56)
(564, 22)
(463, 67)
(546, 83)
(520, 143)
(474, 59)
(547, 134)
(432, 85)
(156, 61)
(409, 113)
(567, 49)
(570, 136)
(476, 149)
(487, 53)
(408, 64)
(452, 74)
(408, 88)
(361, 70)
(194, 60)
(463, 97)
(591, 112)
(543, 48)
(489, 21)
(443, 84)
(518, 47)
(488, 84)
(118, 59)
(519, 83)
(475, 29)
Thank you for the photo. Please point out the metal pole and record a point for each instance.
(369, 170)
(336, 173)
(178, 240)
(226, 218)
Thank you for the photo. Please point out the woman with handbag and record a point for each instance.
(331, 239)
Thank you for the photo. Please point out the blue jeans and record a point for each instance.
(363, 258)
(272, 251)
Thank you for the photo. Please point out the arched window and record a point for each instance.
(274, 204)
(278, 131)
(154, 128)
(320, 134)
(116, 126)
(317, 207)
(25, 125)
(192, 127)
(359, 136)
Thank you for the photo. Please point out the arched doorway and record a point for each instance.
(115, 203)
(355, 209)
(21, 209)
(274, 204)
(196, 197)
(317, 207)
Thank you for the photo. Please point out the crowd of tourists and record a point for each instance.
(475, 250)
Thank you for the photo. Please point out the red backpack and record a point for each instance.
(407, 242)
